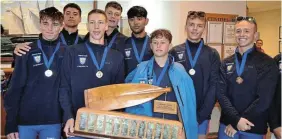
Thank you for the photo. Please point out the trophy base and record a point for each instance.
(95, 135)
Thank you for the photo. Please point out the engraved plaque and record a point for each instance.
(133, 128)
(174, 133)
(149, 132)
(100, 124)
(91, 122)
(124, 129)
(83, 121)
(166, 132)
(158, 131)
(141, 129)
(116, 126)
(109, 125)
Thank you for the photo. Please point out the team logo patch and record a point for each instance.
(127, 53)
(82, 60)
(229, 67)
(37, 58)
(180, 56)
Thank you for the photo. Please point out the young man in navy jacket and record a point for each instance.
(246, 87)
(33, 102)
(113, 11)
(137, 47)
(202, 64)
(90, 64)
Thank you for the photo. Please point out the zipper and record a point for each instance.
(179, 95)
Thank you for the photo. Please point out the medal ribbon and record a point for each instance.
(191, 60)
(240, 67)
(46, 62)
(139, 58)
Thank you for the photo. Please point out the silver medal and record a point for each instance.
(192, 72)
(99, 74)
(48, 73)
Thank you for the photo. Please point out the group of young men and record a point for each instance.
(51, 74)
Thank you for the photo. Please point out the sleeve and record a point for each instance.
(266, 85)
(65, 86)
(189, 103)
(210, 97)
(224, 101)
(119, 75)
(15, 91)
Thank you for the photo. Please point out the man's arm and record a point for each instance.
(119, 76)
(210, 97)
(224, 101)
(65, 97)
(13, 96)
(22, 48)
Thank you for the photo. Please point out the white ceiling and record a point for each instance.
(260, 6)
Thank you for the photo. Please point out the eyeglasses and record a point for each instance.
(197, 13)
(247, 18)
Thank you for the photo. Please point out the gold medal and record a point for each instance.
(239, 80)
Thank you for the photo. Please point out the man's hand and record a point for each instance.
(230, 131)
(69, 127)
(14, 135)
(277, 132)
(244, 124)
(22, 48)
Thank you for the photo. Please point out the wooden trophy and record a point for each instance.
(97, 120)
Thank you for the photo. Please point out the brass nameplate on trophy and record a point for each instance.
(167, 107)
(93, 123)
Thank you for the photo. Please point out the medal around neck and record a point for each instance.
(239, 80)
(48, 73)
(192, 72)
(99, 74)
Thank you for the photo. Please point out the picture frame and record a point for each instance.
(215, 32)
(280, 46)
(228, 50)
(229, 33)
(124, 26)
(218, 47)
(280, 32)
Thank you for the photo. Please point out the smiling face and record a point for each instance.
(50, 29)
(113, 16)
(97, 25)
(195, 28)
(245, 33)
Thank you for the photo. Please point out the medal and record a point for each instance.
(48, 63)
(239, 80)
(192, 61)
(240, 66)
(138, 57)
(99, 74)
(192, 72)
(48, 73)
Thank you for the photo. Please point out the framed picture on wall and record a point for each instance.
(218, 47)
(215, 32)
(280, 32)
(228, 50)
(229, 33)
(124, 27)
